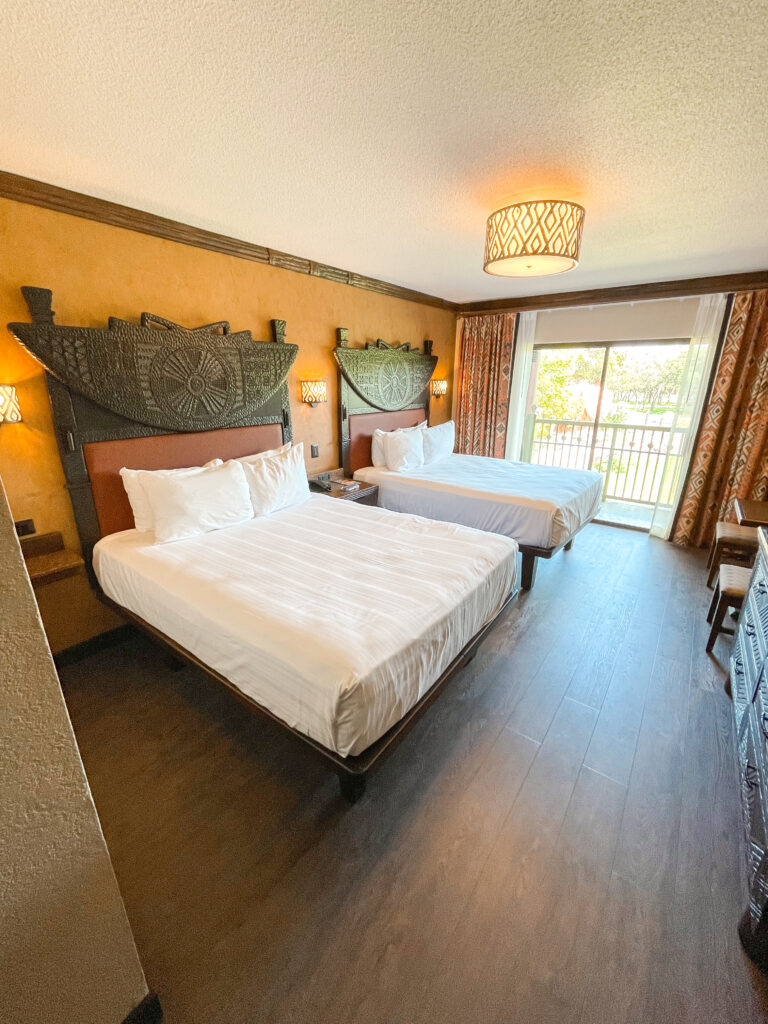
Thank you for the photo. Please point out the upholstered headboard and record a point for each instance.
(152, 395)
(105, 459)
(380, 386)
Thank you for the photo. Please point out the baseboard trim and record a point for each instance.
(78, 652)
(149, 1011)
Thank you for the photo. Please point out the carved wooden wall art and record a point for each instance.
(379, 378)
(158, 373)
(387, 377)
(153, 378)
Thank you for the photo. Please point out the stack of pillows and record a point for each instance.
(174, 504)
(412, 447)
(177, 503)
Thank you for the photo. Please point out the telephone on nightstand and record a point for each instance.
(319, 485)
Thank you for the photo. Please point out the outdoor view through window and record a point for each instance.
(610, 408)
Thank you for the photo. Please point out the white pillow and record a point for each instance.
(132, 482)
(404, 450)
(257, 456)
(278, 481)
(378, 457)
(185, 505)
(439, 442)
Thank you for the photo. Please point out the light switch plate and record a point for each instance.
(315, 451)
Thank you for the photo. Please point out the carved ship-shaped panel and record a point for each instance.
(385, 376)
(157, 372)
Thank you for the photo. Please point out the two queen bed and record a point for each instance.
(341, 622)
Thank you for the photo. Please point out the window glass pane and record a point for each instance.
(636, 431)
(565, 389)
(638, 426)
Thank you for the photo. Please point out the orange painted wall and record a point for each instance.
(97, 271)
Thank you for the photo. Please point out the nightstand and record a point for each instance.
(68, 606)
(366, 494)
(48, 560)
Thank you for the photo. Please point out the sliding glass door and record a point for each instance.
(610, 408)
(628, 410)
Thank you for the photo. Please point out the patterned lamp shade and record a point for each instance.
(313, 392)
(533, 239)
(10, 411)
(439, 388)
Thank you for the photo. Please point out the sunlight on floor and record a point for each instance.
(625, 513)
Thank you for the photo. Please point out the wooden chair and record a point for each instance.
(732, 543)
(732, 586)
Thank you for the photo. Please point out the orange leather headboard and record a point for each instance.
(363, 424)
(105, 459)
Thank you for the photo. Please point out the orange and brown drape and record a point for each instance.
(731, 457)
(485, 376)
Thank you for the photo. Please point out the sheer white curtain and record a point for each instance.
(521, 376)
(693, 390)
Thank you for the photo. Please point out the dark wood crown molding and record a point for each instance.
(62, 200)
(749, 282)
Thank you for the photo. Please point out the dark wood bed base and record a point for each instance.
(386, 387)
(529, 553)
(352, 771)
(114, 396)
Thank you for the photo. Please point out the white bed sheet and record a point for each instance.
(536, 505)
(336, 617)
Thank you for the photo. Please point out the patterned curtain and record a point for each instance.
(731, 459)
(485, 376)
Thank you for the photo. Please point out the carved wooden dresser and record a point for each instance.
(749, 691)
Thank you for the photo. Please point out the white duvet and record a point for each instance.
(337, 617)
(539, 506)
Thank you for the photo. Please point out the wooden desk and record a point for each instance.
(751, 513)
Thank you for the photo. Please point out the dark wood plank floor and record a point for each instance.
(559, 839)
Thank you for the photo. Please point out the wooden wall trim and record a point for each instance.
(77, 204)
(63, 200)
(748, 282)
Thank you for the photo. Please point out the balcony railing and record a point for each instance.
(629, 456)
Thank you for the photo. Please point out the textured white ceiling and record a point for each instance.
(378, 136)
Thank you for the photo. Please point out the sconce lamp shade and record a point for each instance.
(439, 388)
(533, 239)
(10, 411)
(313, 392)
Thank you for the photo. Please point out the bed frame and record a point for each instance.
(155, 395)
(384, 387)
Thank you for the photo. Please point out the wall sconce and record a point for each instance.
(10, 411)
(439, 388)
(313, 392)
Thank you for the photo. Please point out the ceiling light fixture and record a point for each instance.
(533, 239)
